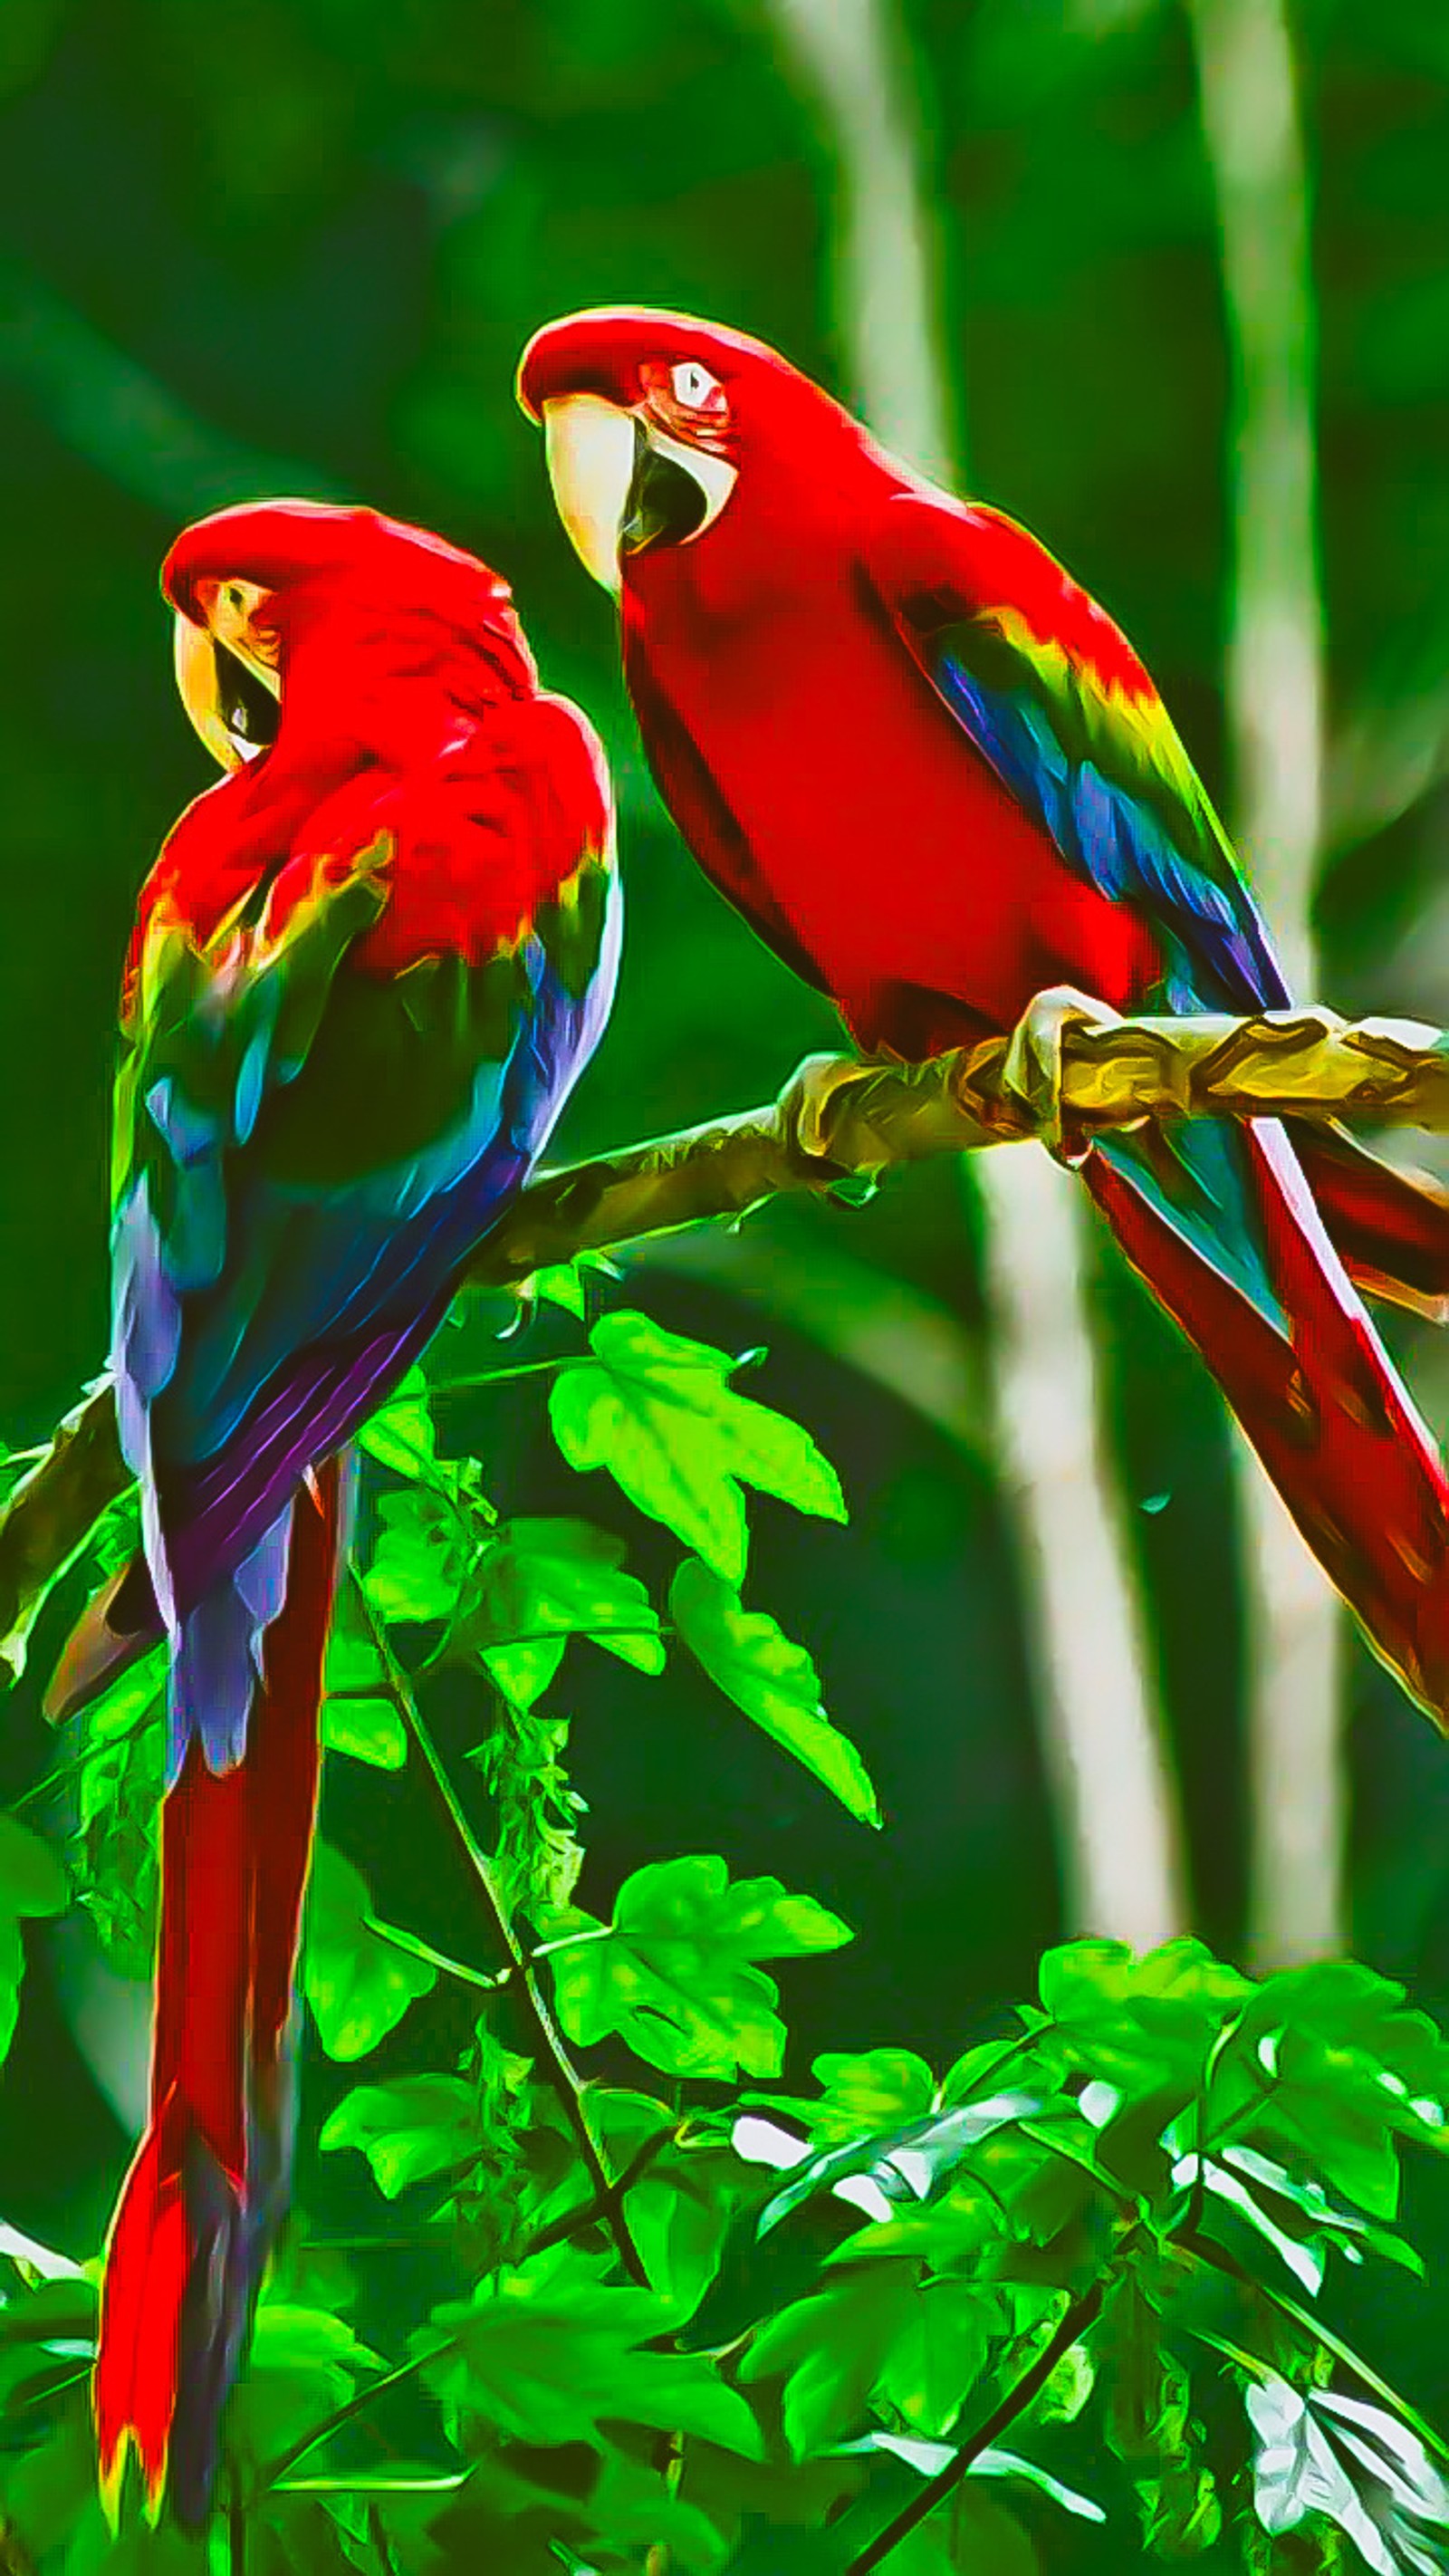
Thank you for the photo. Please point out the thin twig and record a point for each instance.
(417, 1948)
(1082, 2314)
(557, 2063)
(356, 2404)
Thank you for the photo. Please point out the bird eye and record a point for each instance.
(695, 387)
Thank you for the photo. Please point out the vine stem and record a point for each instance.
(1082, 2313)
(559, 2066)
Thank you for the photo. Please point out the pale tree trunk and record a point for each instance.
(1112, 1786)
(1275, 709)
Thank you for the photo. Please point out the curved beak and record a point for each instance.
(621, 484)
(196, 679)
(226, 674)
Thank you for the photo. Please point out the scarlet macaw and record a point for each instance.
(936, 778)
(367, 968)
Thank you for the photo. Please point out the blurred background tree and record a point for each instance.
(1170, 284)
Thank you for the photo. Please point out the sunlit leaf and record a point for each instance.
(772, 1679)
(401, 1434)
(900, 2164)
(370, 1730)
(659, 1413)
(676, 1974)
(535, 1584)
(421, 1558)
(549, 2351)
(358, 1986)
(413, 2127)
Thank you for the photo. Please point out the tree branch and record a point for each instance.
(1068, 1069)
(1082, 2313)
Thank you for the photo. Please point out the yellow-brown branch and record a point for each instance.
(1068, 1069)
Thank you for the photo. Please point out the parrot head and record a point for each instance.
(658, 427)
(263, 591)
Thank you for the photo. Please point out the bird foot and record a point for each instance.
(810, 1102)
(1032, 1071)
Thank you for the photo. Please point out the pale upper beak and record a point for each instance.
(226, 670)
(593, 448)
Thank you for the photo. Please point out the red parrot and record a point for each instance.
(936, 778)
(367, 967)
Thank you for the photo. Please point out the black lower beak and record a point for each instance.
(248, 710)
(665, 503)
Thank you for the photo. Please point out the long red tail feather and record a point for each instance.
(1325, 1410)
(207, 2191)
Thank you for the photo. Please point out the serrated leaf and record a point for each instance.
(358, 1986)
(1139, 2024)
(773, 1680)
(401, 1435)
(899, 2165)
(548, 2352)
(33, 1880)
(537, 1583)
(416, 2126)
(659, 1413)
(118, 1800)
(421, 1558)
(676, 1973)
(834, 2348)
(1296, 2472)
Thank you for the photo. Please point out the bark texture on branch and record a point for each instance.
(1068, 1069)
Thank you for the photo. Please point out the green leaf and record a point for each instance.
(358, 1986)
(359, 1714)
(369, 1729)
(548, 2351)
(659, 1413)
(561, 1284)
(928, 2458)
(538, 1582)
(401, 1435)
(1329, 2067)
(12, 1971)
(305, 2362)
(773, 1680)
(1147, 2388)
(675, 1974)
(421, 1559)
(419, 2125)
(835, 2347)
(899, 2165)
(1359, 2466)
(118, 1799)
(33, 1880)
(878, 2088)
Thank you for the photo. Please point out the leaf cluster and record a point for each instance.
(635, 2301)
